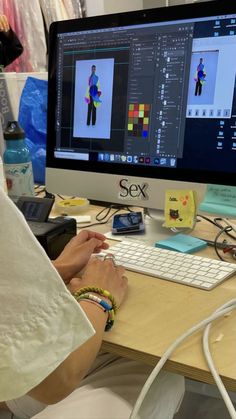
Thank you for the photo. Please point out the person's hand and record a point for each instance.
(102, 274)
(77, 253)
(4, 25)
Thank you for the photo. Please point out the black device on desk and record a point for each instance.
(52, 233)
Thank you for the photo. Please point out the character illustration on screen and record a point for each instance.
(200, 77)
(92, 96)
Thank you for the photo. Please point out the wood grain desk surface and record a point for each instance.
(156, 312)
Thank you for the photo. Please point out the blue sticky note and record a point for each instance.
(219, 199)
(182, 243)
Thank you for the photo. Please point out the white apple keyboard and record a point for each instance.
(186, 269)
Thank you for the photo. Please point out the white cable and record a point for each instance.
(215, 374)
(221, 311)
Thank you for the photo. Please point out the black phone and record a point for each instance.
(131, 222)
(35, 209)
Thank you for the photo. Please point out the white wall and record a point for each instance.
(116, 6)
(159, 3)
(95, 8)
(153, 3)
(101, 7)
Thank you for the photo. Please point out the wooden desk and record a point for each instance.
(156, 312)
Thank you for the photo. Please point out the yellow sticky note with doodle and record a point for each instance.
(180, 208)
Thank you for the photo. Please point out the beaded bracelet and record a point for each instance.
(100, 291)
(100, 303)
(103, 303)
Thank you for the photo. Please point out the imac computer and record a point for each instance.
(141, 102)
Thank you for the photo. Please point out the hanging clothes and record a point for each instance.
(71, 11)
(30, 20)
(53, 10)
(25, 18)
(8, 8)
(35, 41)
(78, 7)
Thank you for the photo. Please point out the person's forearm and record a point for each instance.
(64, 270)
(69, 374)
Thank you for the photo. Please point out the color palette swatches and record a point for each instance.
(138, 119)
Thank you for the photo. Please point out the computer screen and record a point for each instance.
(141, 102)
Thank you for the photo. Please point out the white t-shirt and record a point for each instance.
(40, 322)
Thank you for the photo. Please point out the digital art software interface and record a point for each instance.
(158, 95)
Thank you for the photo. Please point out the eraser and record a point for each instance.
(81, 218)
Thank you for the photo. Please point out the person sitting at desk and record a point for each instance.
(50, 342)
(10, 46)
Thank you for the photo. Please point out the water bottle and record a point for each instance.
(3, 184)
(17, 162)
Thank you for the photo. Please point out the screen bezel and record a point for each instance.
(173, 13)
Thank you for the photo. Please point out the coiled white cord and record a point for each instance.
(218, 381)
(221, 311)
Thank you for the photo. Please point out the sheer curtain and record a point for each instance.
(61, 9)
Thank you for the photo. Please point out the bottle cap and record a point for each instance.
(13, 131)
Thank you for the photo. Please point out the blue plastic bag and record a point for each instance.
(33, 119)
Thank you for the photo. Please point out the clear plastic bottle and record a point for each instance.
(17, 162)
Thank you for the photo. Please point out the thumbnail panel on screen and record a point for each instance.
(212, 77)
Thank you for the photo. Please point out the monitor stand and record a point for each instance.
(154, 220)
(154, 230)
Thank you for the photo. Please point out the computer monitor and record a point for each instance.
(141, 102)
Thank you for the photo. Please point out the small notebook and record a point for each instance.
(180, 208)
(182, 243)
